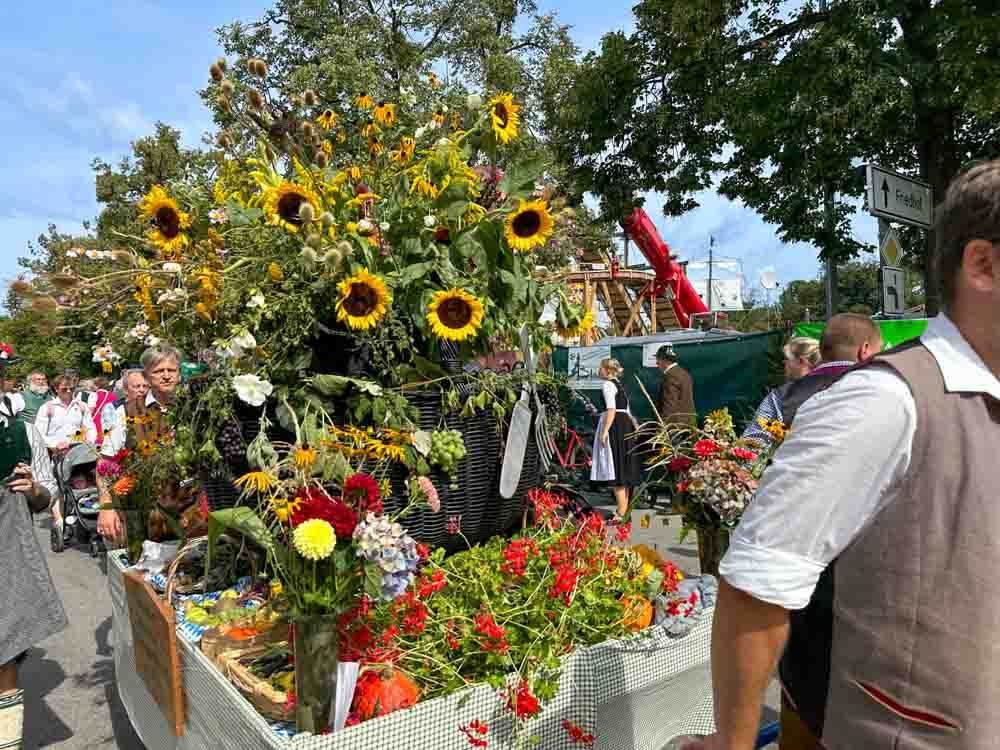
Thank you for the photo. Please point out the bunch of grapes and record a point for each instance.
(447, 449)
(231, 444)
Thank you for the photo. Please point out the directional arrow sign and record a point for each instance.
(893, 291)
(891, 250)
(899, 198)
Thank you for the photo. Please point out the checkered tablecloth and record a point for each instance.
(633, 695)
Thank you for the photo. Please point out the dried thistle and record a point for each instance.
(309, 97)
(327, 219)
(64, 280)
(22, 288)
(258, 67)
(44, 305)
(216, 72)
(306, 212)
(225, 140)
(308, 130)
(223, 103)
(122, 256)
(322, 160)
(228, 88)
(256, 100)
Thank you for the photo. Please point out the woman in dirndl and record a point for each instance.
(30, 610)
(615, 460)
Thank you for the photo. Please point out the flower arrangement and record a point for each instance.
(107, 357)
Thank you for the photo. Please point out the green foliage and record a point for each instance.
(857, 291)
(778, 107)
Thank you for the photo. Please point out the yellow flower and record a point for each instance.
(385, 113)
(385, 487)
(529, 226)
(456, 120)
(257, 481)
(326, 147)
(438, 116)
(282, 204)
(275, 272)
(454, 315)
(375, 147)
(370, 129)
(364, 300)
(327, 120)
(203, 312)
(107, 367)
(354, 173)
(305, 456)
(364, 102)
(423, 186)
(80, 435)
(145, 448)
(504, 117)
(167, 220)
(434, 80)
(578, 329)
(405, 151)
(314, 539)
(284, 508)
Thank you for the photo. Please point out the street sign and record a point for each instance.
(891, 250)
(893, 290)
(899, 198)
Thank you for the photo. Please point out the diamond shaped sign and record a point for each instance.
(891, 250)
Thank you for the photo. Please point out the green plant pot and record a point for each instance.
(316, 646)
(712, 546)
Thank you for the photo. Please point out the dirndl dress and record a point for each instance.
(31, 610)
(616, 462)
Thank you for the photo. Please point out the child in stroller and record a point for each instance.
(76, 475)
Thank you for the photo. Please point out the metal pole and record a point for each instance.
(711, 247)
(883, 230)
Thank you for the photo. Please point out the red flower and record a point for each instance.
(576, 733)
(705, 448)
(494, 635)
(423, 551)
(454, 524)
(546, 504)
(516, 556)
(475, 727)
(361, 491)
(680, 464)
(522, 702)
(623, 532)
(317, 504)
(682, 486)
(427, 586)
(744, 454)
(565, 583)
(671, 577)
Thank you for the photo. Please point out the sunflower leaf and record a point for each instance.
(240, 216)
(520, 179)
(415, 271)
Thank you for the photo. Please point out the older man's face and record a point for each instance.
(164, 377)
(136, 386)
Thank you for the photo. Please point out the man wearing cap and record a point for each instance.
(889, 477)
(31, 610)
(675, 397)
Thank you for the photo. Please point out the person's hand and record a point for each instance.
(24, 482)
(604, 438)
(711, 742)
(110, 526)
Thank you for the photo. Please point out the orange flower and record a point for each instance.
(124, 485)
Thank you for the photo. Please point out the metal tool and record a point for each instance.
(544, 441)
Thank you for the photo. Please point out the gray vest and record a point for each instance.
(915, 661)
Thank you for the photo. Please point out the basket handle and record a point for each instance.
(189, 546)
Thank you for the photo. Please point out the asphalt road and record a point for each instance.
(69, 679)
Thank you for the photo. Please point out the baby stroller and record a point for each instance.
(76, 475)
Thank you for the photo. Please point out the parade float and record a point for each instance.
(366, 554)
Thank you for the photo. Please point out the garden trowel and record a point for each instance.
(517, 443)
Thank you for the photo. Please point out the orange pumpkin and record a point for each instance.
(638, 612)
(380, 693)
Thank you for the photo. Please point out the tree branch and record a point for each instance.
(441, 27)
(804, 21)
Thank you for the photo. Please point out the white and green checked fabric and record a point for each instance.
(632, 695)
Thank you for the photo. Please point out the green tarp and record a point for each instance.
(733, 371)
(894, 332)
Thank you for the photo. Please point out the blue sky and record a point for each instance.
(87, 79)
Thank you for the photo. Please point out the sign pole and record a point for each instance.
(883, 231)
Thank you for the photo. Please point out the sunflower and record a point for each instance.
(305, 456)
(577, 329)
(326, 147)
(454, 315)
(284, 508)
(145, 448)
(327, 120)
(364, 300)
(504, 117)
(364, 102)
(167, 220)
(257, 481)
(282, 204)
(530, 225)
(80, 435)
(385, 113)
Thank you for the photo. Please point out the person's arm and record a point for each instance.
(43, 421)
(88, 425)
(610, 394)
(849, 446)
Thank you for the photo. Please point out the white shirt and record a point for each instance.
(60, 423)
(838, 468)
(610, 390)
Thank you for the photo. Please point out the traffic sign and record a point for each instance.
(899, 198)
(893, 290)
(891, 250)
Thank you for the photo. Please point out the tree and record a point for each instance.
(857, 291)
(781, 108)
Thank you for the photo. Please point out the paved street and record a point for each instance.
(69, 680)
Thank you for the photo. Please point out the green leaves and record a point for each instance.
(242, 520)
(240, 216)
(337, 385)
(520, 179)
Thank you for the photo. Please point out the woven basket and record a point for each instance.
(266, 699)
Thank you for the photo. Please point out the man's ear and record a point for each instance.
(980, 271)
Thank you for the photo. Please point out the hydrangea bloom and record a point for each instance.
(387, 544)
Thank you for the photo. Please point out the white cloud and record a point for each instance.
(125, 120)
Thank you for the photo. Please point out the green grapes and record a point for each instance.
(447, 449)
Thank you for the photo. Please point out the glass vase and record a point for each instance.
(712, 546)
(316, 645)
(135, 533)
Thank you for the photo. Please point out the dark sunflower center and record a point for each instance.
(288, 207)
(500, 112)
(328, 114)
(361, 301)
(527, 224)
(455, 313)
(168, 222)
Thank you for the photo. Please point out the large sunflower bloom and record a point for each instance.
(364, 300)
(576, 329)
(167, 220)
(385, 113)
(327, 120)
(454, 314)
(529, 226)
(504, 117)
(282, 204)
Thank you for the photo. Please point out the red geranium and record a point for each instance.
(680, 464)
(361, 491)
(474, 728)
(744, 454)
(314, 503)
(522, 702)
(705, 448)
(576, 733)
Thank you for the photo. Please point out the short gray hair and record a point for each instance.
(130, 372)
(156, 354)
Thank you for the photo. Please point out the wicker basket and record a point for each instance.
(267, 700)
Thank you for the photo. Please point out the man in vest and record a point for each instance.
(892, 473)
